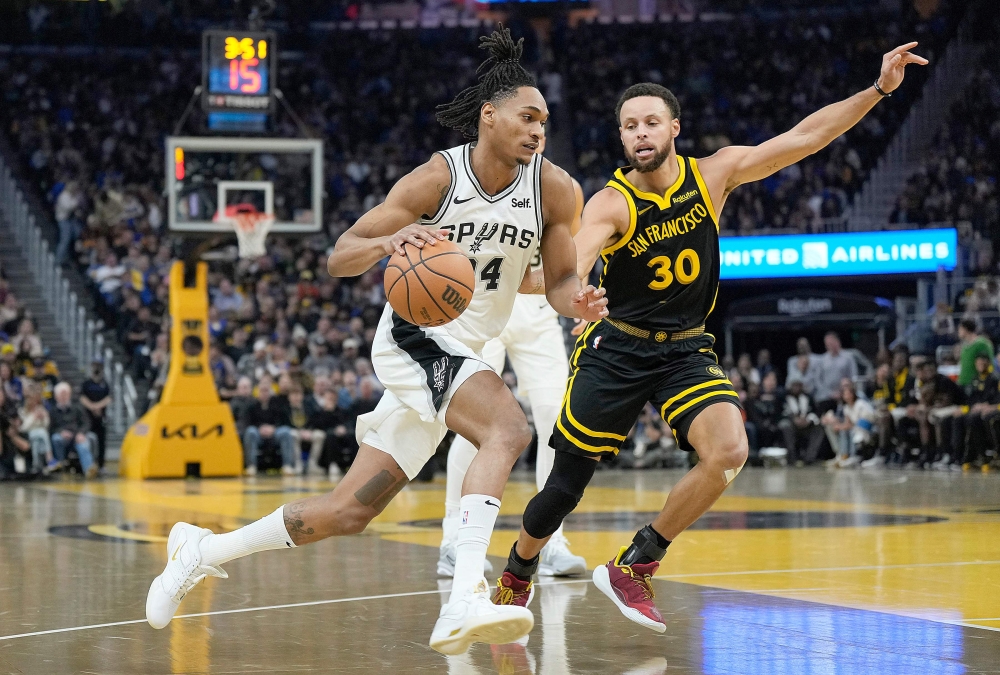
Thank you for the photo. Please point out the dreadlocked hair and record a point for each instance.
(500, 75)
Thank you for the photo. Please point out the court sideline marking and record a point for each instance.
(243, 610)
(553, 583)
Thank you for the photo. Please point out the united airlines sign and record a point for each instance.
(832, 255)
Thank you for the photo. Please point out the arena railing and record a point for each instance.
(81, 333)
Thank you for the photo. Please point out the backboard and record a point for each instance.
(207, 177)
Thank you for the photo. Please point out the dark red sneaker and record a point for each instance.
(630, 587)
(513, 591)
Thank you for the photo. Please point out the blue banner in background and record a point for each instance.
(836, 255)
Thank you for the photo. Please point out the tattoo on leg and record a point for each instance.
(380, 490)
(294, 523)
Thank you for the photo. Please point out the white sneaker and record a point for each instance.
(446, 562)
(875, 462)
(849, 462)
(183, 572)
(556, 560)
(334, 472)
(250, 471)
(473, 618)
(289, 470)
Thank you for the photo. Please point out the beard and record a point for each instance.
(653, 163)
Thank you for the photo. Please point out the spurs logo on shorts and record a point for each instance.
(440, 369)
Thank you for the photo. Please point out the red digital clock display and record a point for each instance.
(238, 69)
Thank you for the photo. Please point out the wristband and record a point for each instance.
(879, 90)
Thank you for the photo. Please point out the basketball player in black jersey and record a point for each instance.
(655, 226)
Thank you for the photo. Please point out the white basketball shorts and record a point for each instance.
(421, 369)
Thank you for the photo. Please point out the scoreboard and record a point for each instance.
(238, 70)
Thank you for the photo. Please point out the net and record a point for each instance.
(251, 231)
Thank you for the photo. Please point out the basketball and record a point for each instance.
(429, 286)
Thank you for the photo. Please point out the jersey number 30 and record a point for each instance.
(686, 269)
(490, 272)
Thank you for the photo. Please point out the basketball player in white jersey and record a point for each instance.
(486, 198)
(533, 340)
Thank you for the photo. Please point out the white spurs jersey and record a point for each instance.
(499, 233)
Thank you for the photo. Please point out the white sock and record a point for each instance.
(460, 456)
(479, 515)
(266, 534)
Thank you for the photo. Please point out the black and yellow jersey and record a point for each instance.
(663, 274)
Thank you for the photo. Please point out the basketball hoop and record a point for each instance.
(251, 231)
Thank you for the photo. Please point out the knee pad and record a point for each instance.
(562, 492)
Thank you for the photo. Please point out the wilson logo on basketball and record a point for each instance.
(454, 298)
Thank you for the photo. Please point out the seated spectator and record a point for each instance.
(228, 300)
(11, 313)
(340, 446)
(95, 397)
(26, 334)
(850, 427)
(764, 413)
(744, 366)
(238, 347)
(35, 423)
(368, 397)
(12, 386)
(268, 422)
(978, 422)
(302, 429)
(108, 277)
(241, 402)
(68, 429)
(804, 370)
(223, 370)
(940, 398)
(255, 364)
(140, 335)
(348, 391)
(800, 425)
(15, 449)
(764, 365)
(319, 358)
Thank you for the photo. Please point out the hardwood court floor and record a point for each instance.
(794, 571)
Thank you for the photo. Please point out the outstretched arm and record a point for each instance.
(563, 289)
(735, 165)
(383, 230)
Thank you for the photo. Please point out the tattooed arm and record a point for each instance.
(383, 230)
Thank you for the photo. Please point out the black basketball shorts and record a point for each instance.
(614, 375)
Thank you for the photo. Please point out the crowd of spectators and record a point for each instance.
(957, 182)
(42, 429)
(747, 84)
(289, 343)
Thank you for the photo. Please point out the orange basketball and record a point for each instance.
(429, 286)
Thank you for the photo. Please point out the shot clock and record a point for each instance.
(238, 71)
